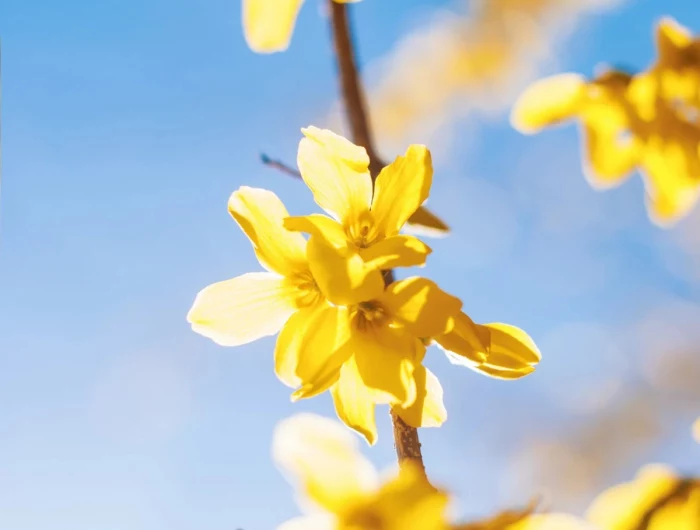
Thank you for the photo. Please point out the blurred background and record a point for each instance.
(127, 124)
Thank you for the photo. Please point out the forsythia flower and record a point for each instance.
(696, 430)
(341, 329)
(347, 250)
(268, 24)
(657, 499)
(258, 304)
(332, 475)
(631, 122)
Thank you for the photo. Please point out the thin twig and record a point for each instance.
(280, 166)
(405, 437)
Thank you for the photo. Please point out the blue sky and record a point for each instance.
(126, 126)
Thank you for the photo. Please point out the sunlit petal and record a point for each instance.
(421, 306)
(289, 342)
(547, 102)
(323, 349)
(428, 410)
(385, 360)
(260, 214)
(401, 188)
(337, 172)
(513, 342)
(396, 251)
(320, 226)
(608, 162)
(354, 403)
(670, 37)
(551, 521)
(323, 457)
(243, 309)
(342, 275)
(466, 339)
(268, 24)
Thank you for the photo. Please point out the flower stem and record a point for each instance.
(405, 437)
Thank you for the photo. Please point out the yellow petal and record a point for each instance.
(428, 410)
(342, 275)
(243, 309)
(409, 502)
(424, 222)
(421, 306)
(514, 342)
(260, 215)
(268, 24)
(623, 505)
(466, 339)
(671, 37)
(396, 251)
(289, 343)
(323, 458)
(400, 188)
(324, 347)
(385, 360)
(547, 102)
(354, 403)
(337, 172)
(320, 226)
(496, 372)
(551, 521)
(608, 163)
(696, 430)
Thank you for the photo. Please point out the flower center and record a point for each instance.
(370, 314)
(363, 231)
(366, 519)
(308, 292)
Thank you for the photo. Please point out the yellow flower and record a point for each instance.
(363, 230)
(341, 490)
(259, 304)
(656, 500)
(627, 125)
(268, 24)
(497, 350)
(370, 353)
(696, 430)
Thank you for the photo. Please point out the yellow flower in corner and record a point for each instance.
(341, 490)
(268, 24)
(364, 223)
(626, 125)
(657, 499)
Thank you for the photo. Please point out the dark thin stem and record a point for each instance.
(280, 166)
(405, 437)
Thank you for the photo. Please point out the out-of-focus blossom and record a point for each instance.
(657, 499)
(696, 430)
(347, 250)
(268, 24)
(631, 122)
(459, 64)
(340, 490)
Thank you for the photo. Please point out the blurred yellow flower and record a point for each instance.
(497, 350)
(626, 125)
(341, 490)
(268, 24)
(363, 230)
(696, 430)
(657, 499)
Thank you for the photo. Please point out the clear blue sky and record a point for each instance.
(127, 124)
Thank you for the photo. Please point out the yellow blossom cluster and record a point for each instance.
(341, 326)
(340, 490)
(646, 122)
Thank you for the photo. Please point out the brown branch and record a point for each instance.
(405, 437)
(350, 88)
